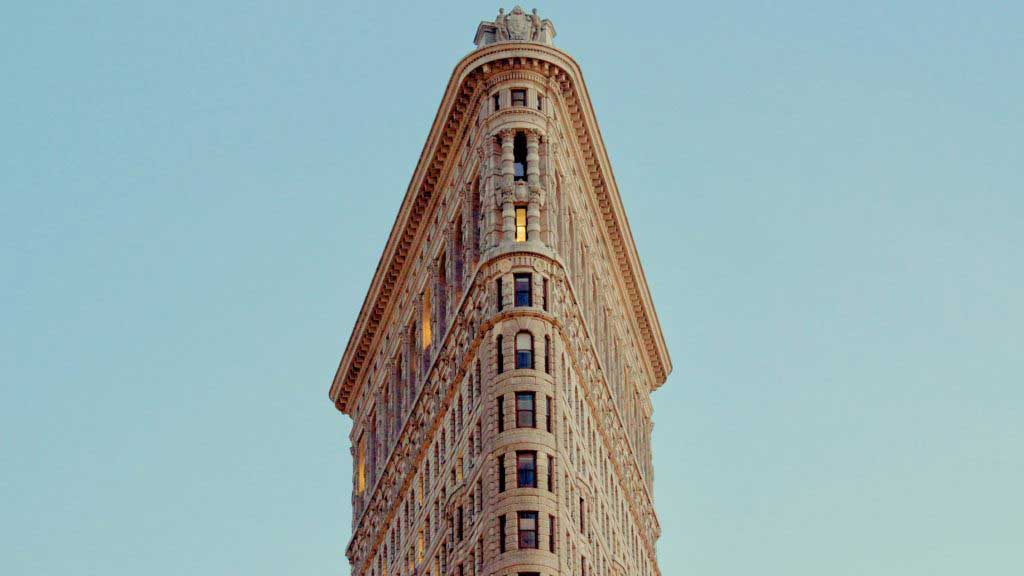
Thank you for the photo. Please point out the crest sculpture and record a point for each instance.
(516, 26)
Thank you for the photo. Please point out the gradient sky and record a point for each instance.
(827, 199)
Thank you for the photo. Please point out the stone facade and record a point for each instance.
(500, 370)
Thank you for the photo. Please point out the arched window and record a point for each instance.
(524, 350)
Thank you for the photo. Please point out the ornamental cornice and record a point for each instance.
(451, 121)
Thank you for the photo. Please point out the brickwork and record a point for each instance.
(500, 370)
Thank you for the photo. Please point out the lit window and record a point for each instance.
(426, 319)
(519, 97)
(521, 224)
(523, 292)
(526, 469)
(361, 472)
(524, 410)
(527, 530)
(524, 350)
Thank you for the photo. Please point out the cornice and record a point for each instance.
(452, 118)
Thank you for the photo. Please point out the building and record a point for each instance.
(499, 372)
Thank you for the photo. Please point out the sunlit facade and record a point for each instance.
(500, 370)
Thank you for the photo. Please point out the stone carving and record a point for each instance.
(515, 26)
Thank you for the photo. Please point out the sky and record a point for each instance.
(826, 198)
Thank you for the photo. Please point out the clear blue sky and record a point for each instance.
(827, 198)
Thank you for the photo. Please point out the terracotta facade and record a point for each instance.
(500, 370)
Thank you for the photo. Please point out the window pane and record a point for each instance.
(523, 296)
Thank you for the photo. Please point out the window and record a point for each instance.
(526, 469)
(459, 525)
(540, 102)
(524, 410)
(361, 467)
(551, 475)
(501, 473)
(524, 350)
(501, 533)
(547, 354)
(426, 319)
(500, 345)
(523, 292)
(497, 101)
(527, 530)
(497, 292)
(519, 97)
(521, 232)
(501, 413)
(551, 533)
(519, 156)
(583, 510)
(546, 308)
(547, 413)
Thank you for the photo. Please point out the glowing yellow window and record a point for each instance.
(419, 547)
(361, 468)
(426, 319)
(520, 223)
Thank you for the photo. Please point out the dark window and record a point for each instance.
(501, 413)
(529, 573)
(497, 292)
(526, 469)
(501, 473)
(497, 101)
(501, 533)
(528, 530)
(540, 101)
(523, 292)
(551, 475)
(547, 354)
(525, 410)
(547, 413)
(519, 97)
(519, 156)
(546, 308)
(500, 345)
(551, 533)
(524, 350)
(459, 526)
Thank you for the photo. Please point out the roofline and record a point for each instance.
(421, 188)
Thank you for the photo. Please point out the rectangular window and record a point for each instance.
(526, 469)
(527, 530)
(547, 355)
(501, 473)
(519, 97)
(501, 533)
(497, 292)
(551, 533)
(546, 305)
(361, 467)
(583, 511)
(540, 102)
(525, 410)
(521, 235)
(524, 292)
(501, 413)
(500, 353)
(547, 413)
(426, 319)
(551, 473)
(497, 101)
(459, 525)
